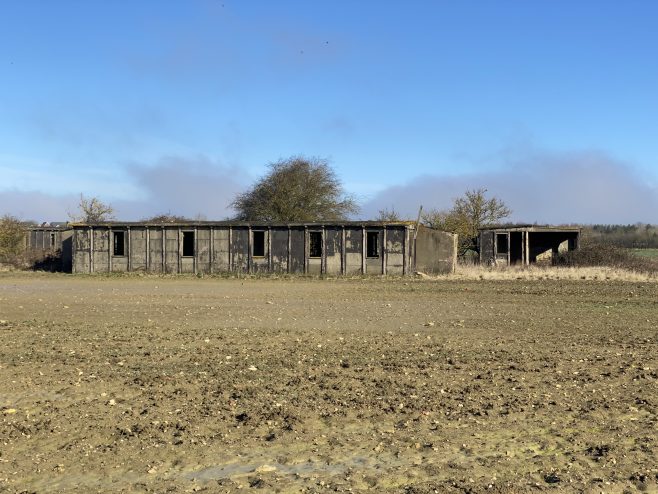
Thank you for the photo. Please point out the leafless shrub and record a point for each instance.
(167, 218)
(468, 214)
(601, 254)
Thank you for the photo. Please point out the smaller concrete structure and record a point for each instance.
(525, 244)
(49, 246)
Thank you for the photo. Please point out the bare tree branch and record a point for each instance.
(92, 210)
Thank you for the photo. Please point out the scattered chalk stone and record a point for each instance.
(253, 368)
(265, 468)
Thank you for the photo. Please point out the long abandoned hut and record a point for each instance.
(340, 248)
(526, 244)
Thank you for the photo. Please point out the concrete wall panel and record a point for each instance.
(280, 250)
(137, 251)
(203, 250)
(297, 250)
(374, 265)
(395, 238)
(221, 250)
(353, 250)
(101, 250)
(171, 250)
(155, 250)
(81, 251)
(314, 266)
(436, 251)
(334, 250)
(240, 249)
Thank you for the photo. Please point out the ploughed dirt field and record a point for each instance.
(111, 384)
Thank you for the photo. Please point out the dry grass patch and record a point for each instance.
(550, 273)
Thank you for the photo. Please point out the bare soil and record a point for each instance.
(128, 384)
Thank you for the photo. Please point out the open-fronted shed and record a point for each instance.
(525, 244)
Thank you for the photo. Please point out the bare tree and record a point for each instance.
(296, 189)
(388, 215)
(468, 214)
(92, 210)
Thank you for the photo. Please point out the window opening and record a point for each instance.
(501, 243)
(315, 244)
(372, 244)
(52, 240)
(188, 244)
(258, 245)
(119, 241)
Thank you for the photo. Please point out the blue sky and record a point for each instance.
(177, 105)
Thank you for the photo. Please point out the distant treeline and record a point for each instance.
(637, 236)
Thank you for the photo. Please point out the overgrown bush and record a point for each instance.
(12, 241)
(601, 254)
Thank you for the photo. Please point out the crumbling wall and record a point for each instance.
(395, 241)
(436, 251)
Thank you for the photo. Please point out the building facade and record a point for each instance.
(345, 248)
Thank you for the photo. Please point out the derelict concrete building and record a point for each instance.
(340, 248)
(525, 244)
(52, 241)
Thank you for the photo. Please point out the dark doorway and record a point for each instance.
(188, 244)
(516, 247)
(258, 247)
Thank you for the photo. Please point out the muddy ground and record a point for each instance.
(111, 384)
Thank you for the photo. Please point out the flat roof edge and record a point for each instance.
(258, 224)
